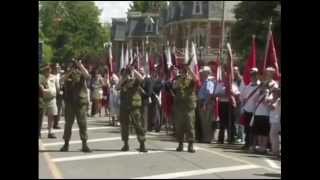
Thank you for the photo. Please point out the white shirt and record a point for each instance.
(221, 90)
(52, 85)
(275, 114)
(245, 92)
(263, 109)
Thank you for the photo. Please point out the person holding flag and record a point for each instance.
(247, 98)
(260, 122)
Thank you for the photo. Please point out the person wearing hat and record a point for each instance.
(76, 103)
(206, 106)
(260, 124)
(185, 104)
(248, 104)
(49, 86)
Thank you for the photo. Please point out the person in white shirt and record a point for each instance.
(224, 111)
(49, 89)
(114, 100)
(260, 124)
(274, 119)
(59, 99)
(248, 104)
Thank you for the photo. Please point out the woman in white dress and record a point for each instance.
(114, 99)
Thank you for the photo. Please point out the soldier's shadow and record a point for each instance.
(57, 150)
(112, 150)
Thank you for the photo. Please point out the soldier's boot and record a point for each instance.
(85, 147)
(142, 147)
(65, 147)
(180, 147)
(190, 147)
(125, 146)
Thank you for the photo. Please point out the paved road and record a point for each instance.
(162, 161)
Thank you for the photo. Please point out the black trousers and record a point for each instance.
(247, 130)
(40, 119)
(225, 124)
(197, 126)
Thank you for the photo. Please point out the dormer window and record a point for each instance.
(149, 25)
(197, 8)
(172, 12)
(181, 8)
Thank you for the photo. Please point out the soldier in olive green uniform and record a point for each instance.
(76, 103)
(184, 107)
(130, 107)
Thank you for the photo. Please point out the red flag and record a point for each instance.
(251, 62)
(271, 59)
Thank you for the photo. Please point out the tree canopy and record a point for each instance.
(252, 17)
(72, 29)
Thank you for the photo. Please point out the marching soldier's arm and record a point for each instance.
(83, 70)
(138, 75)
(194, 77)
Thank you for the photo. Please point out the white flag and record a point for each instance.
(169, 61)
(146, 65)
(186, 52)
(131, 56)
(126, 59)
(121, 58)
(194, 61)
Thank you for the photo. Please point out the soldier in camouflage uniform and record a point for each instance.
(130, 107)
(76, 103)
(185, 104)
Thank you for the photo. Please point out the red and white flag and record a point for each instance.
(194, 63)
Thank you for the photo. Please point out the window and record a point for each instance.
(148, 27)
(181, 8)
(197, 7)
(172, 12)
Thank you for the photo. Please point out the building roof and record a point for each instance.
(209, 10)
(118, 29)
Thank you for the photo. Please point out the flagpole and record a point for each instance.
(222, 32)
(267, 45)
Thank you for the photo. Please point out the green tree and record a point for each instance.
(72, 29)
(252, 17)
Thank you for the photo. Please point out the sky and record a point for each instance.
(112, 9)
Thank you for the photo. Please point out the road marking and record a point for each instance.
(89, 141)
(63, 122)
(76, 129)
(272, 163)
(52, 166)
(98, 156)
(199, 172)
(109, 155)
(239, 160)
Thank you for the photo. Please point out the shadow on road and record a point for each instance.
(56, 150)
(275, 175)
